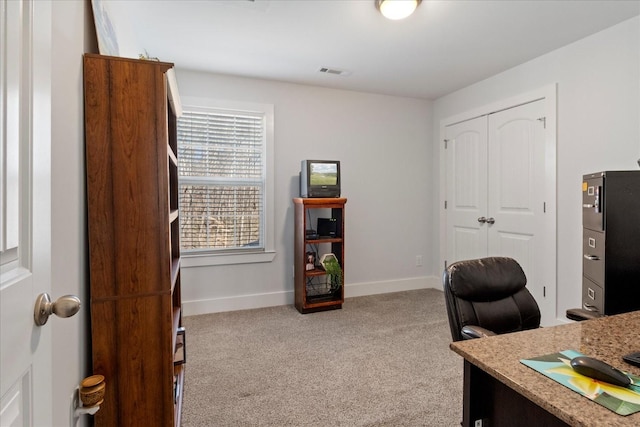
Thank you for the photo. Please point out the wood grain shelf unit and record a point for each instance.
(131, 108)
(306, 302)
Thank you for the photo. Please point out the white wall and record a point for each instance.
(390, 218)
(383, 144)
(598, 81)
(71, 344)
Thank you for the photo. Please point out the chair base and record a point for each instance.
(580, 314)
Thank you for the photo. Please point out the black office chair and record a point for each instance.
(487, 297)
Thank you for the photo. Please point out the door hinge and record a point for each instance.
(445, 204)
(445, 143)
(544, 291)
(544, 121)
(544, 207)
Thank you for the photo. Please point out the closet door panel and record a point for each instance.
(466, 189)
(515, 188)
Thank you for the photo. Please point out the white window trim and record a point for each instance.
(268, 254)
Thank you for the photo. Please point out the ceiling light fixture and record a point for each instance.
(397, 9)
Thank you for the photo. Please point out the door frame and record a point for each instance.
(549, 93)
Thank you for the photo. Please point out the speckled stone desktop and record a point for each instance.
(606, 338)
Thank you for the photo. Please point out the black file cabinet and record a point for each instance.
(611, 242)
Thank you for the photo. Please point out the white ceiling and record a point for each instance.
(444, 46)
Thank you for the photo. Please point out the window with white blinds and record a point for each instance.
(222, 177)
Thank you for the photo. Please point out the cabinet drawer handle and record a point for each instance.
(589, 307)
(592, 257)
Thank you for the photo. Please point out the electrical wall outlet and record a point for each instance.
(478, 423)
(418, 260)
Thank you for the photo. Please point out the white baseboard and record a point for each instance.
(384, 287)
(246, 302)
(239, 302)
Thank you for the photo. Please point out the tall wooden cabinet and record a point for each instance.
(313, 289)
(134, 250)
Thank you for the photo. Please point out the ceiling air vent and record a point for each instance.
(334, 71)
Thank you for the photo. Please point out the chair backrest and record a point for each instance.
(490, 293)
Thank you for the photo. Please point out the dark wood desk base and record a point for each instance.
(488, 399)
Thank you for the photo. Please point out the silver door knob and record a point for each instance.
(482, 220)
(65, 306)
(491, 221)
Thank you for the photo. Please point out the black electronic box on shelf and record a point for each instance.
(327, 227)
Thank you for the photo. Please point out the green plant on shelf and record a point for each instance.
(333, 270)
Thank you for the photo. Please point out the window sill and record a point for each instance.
(188, 261)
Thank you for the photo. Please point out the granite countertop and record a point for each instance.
(607, 339)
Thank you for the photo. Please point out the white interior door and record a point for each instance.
(495, 194)
(25, 219)
(516, 190)
(466, 189)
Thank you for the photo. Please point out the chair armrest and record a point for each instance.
(471, 331)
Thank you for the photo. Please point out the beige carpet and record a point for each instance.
(382, 360)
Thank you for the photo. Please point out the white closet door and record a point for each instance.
(466, 189)
(495, 187)
(516, 189)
